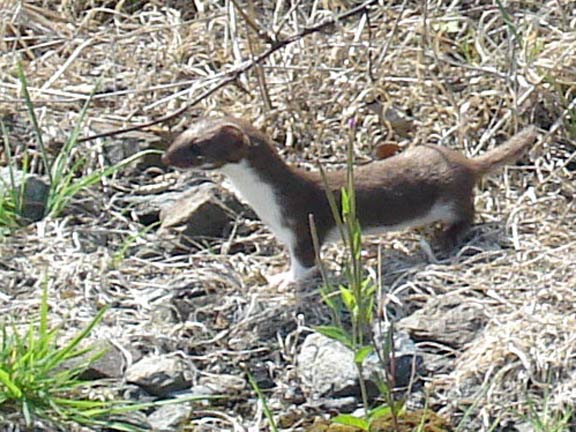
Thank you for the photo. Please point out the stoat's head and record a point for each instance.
(210, 144)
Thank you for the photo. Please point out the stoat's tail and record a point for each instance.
(508, 152)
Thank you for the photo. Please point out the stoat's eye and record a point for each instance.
(194, 151)
(196, 154)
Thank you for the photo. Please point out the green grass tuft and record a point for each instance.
(36, 376)
(62, 171)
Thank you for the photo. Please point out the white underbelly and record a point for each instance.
(440, 212)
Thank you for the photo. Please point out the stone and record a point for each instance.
(147, 207)
(147, 203)
(450, 319)
(119, 150)
(110, 365)
(159, 375)
(344, 404)
(222, 384)
(35, 192)
(406, 362)
(168, 418)
(199, 212)
(326, 367)
(199, 208)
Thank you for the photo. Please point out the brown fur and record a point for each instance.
(389, 192)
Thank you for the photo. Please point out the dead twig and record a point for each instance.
(237, 72)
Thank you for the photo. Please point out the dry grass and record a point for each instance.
(467, 74)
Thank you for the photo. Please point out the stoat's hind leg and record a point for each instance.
(455, 229)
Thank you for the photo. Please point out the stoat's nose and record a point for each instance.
(165, 159)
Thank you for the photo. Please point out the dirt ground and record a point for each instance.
(466, 74)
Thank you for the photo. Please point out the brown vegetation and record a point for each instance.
(467, 74)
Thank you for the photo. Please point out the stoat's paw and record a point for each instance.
(293, 278)
(286, 283)
(283, 281)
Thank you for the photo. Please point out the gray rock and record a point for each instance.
(199, 212)
(136, 419)
(168, 418)
(147, 207)
(450, 319)
(343, 404)
(211, 385)
(202, 209)
(524, 427)
(119, 150)
(110, 365)
(326, 367)
(159, 375)
(222, 384)
(35, 192)
(404, 364)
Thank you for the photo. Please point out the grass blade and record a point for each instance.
(262, 399)
(65, 352)
(10, 385)
(34, 119)
(350, 420)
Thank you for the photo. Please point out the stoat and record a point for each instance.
(423, 185)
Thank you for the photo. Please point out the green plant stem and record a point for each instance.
(363, 389)
(327, 291)
(262, 399)
(354, 232)
(357, 295)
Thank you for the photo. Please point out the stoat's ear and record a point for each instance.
(235, 134)
(234, 143)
